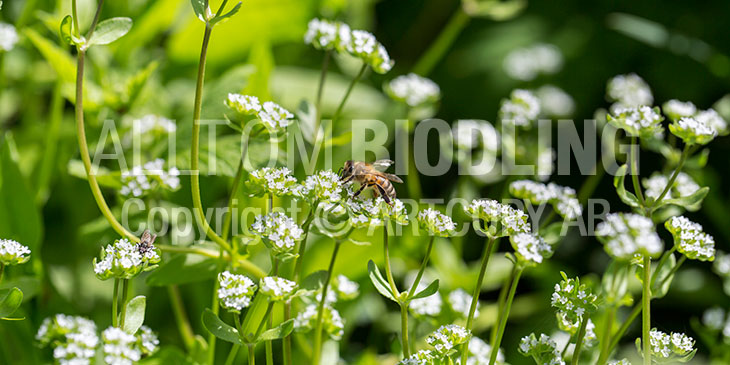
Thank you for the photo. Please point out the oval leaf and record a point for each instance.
(10, 302)
(430, 290)
(135, 314)
(690, 202)
(280, 331)
(109, 30)
(220, 329)
(380, 284)
(618, 182)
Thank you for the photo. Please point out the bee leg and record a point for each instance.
(347, 179)
(362, 187)
(384, 194)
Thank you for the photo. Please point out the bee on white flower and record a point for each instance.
(279, 232)
(693, 131)
(436, 223)
(527, 63)
(460, 302)
(413, 90)
(626, 234)
(235, 291)
(125, 260)
(690, 239)
(268, 180)
(73, 339)
(8, 37)
(13, 253)
(629, 91)
(521, 109)
(501, 219)
(276, 288)
(445, 339)
(642, 121)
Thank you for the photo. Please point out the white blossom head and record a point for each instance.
(422, 357)
(147, 340)
(564, 199)
(676, 109)
(521, 109)
(626, 234)
(125, 260)
(572, 300)
(436, 223)
(279, 232)
(469, 134)
(333, 324)
(671, 347)
(620, 362)
(120, 347)
(271, 180)
(480, 352)
(73, 339)
(429, 306)
(642, 121)
(235, 291)
(693, 131)
(530, 248)
(364, 46)
(543, 349)
(683, 186)
(413, 90)
(276, 288)
(527, 63)
(345, 288)
(153, 124)
(713, 119)
(447, 338)
(373, 212)
(690, 239)
(13, 253)
(8, 37)
(460, 302)
(327, 35)
(554, 101)
(152, 176)
(629, 91)
(322, 187)
(245, 105)
(500, 219)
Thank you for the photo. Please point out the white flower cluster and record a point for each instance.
(629, 91)
(543, 350)
(690, 239)
(422, 357)
(243, 104)
(152, 123)
(147, 340)
(480, 351)
(620, 362)
(667, 346)
(8, 36)
(345, 288)
(124, 260)
(460, 302)
(364, 46)
(554, 101)
(277, 231)
(626, 234)
(73, 339)
(520, 109)
(278, 289)
(683, 186)
(413, 90)
(676, 109)
(333, 324)
(642, 121)
(510, 220)
(120, 347)
(235, 291)
(373, 212)
(327, 35)
(693, 131)
(269, 180)
(563, 199)
(144, 179)
(528, 62)
(447, 338)
(274, 116)
(713, 119)
(530, 248)
(322, 187)
(436, 223)
(13, 253)
(572, 300)
(470, 134)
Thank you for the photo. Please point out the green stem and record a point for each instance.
(194, 151)
(265, 320)
(178, 310)
(605, 339)
(115, 303)
(386, 257)
(317, 354)
(404, 330)
(251, 355)
(443, 42)
(96, 20)
(286, 341)
(500, 302)
(417, 281)
(661, 263)
(475, 297)
(246, 265)
(646, 310)
(670, 183)
(624, 327)
(125, 299)
(635, 171)
(232, 201)
(270, 321)
(579, 340)
(318, 110)
(75, 18)
(347, 93)
(232, 355)
(504, 316)
(214, 306)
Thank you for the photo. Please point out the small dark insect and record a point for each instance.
(146, 242)
(371, 176)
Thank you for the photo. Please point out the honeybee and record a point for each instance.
(371, 176)
(146, 242)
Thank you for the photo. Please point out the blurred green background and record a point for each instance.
(680, 48)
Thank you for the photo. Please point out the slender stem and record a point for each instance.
(270, 321)
(404, 330)
(565, 348)
(194, 151)
(635, 171)
(251, 355)
(443, 42)
(605, 339)
(500, 303)
(286, 341)
(504, 316)
(349, 90)
(96, 19)
(232, 202)
(417, 281)
(214, 306)
(661, 263)
(178, 310)
(246, 265)
(670, 183)
(413, 183)
(579, 340)
(317, 354)
(232, 355)
(125, 299)
(75, 18)
(673, 270)
(475, 297)
(386, 256)
(646, 310)
(624, 327)
(115, 303)
(260, 328)
(318, 109)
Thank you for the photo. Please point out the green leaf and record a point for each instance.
(135, 314)
(226, 15)
(183, 269)
(10, 302)
(280, 331)
(690, 202)
(200, 9)
(105, 178)
(662, 276)
(380, 284)
(430, 290)
(109, 30)
(65, 30)
(618, 182)
(220, 329)
(314, 281)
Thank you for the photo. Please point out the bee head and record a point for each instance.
(346, 170)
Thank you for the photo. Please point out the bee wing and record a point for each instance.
(382, 164)
(393, 178)
(145, 236)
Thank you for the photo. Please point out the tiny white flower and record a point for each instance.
(508, 220)
(554, 101)
(278, 289)
(543, 350)
(8, 36)
(693, 131)
(243, 104)
(276, 181)
(629, 91)
(120, 347)
(413, 90)
(345, 288)
(713, 119)
(460, 302)
(13, 253)
(521, 109)
(564, 199)
(447, 338)
(641, 121)
(277, 231)
(626, 234)
(333, 324)
(470, 134)
(322, 187)
(530, 248)
(436, 223)
(364, 46)
(676, 109)
(480, 352)
(327, 35)
(235, 291)
(73, 339)
(714, 318)
(690, 239)
(144, 179)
